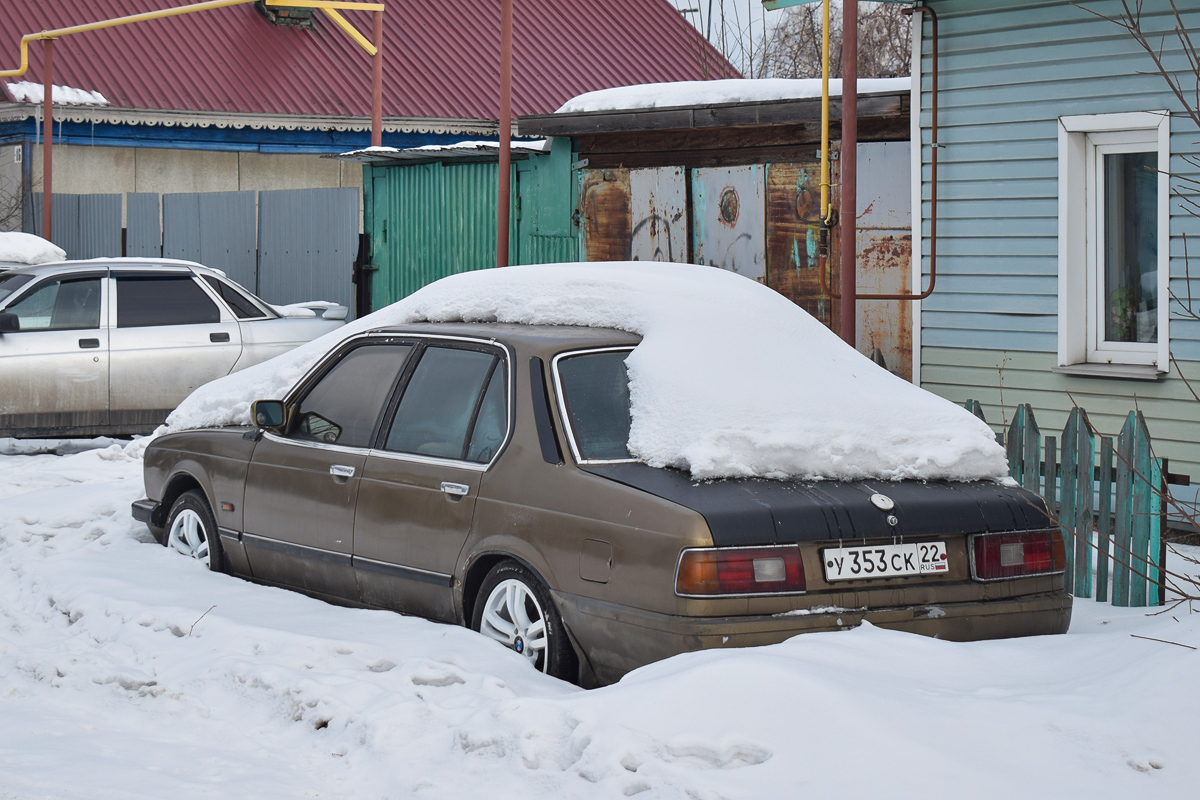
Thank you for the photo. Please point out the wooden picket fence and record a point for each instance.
(1108, 500)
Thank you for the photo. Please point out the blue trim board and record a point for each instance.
(212, 138)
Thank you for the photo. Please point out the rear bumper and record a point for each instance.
(616, 639)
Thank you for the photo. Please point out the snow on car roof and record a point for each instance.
(25, 248)
(731, 379)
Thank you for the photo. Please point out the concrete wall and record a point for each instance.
(119, 170)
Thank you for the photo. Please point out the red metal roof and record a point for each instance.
(441, 56)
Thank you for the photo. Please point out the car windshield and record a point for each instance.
(10, 284)
(595, 390)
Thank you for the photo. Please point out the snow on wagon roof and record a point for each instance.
(26, 248)
(729, 90)
(731, 379)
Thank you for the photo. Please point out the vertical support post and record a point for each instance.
(1050, 474)
(1164, 496)
(47, 138)
(377, 79)
(502, 201)
(1123, 528)
(849, 169)
(1104, 525)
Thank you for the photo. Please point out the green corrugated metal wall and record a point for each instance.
(438, 218)
(989, 332)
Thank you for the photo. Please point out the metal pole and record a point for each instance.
(506, 13)
(47, 137)
(377, 80)
(849, 202)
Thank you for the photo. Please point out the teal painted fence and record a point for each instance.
(1106, 497)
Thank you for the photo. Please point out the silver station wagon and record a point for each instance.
(110, 347)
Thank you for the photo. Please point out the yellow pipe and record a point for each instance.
(350, 30)
(112, 23)
(826, 208)
(327, 5)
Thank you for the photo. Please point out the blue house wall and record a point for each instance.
(1008, 72)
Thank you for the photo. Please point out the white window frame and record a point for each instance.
(1082, 140)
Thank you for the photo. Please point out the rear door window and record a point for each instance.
(144, 300)
(60, 305)
(444, 403)
(344, 406)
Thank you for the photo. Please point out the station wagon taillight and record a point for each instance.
(717, 571)
(1020, 554)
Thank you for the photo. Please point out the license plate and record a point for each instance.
(885, 561)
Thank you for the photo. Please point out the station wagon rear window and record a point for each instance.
(594, 395)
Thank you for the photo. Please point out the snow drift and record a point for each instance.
(731, 379)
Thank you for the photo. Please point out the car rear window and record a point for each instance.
(595, 392)
(162, 300)
(241, 303)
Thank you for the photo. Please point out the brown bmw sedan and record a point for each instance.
(478, 474)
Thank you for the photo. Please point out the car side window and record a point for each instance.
(344, 405)
(60, 305)
(441, 403)
(144, 300)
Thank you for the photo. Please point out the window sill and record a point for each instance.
(1128, 372)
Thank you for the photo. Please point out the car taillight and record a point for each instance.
(716, 571)
(995, 556)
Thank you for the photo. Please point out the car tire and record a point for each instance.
(192, 530)
(515, 609)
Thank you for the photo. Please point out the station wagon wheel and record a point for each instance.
(514, 608)
(192, 530)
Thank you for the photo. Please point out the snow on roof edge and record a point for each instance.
(683, 94)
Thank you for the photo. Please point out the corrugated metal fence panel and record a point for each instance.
(228, 235)
(308, 240)
(143, 231)
(181, 226)
(85, 225)
(430, 221)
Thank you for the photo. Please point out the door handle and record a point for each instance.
(340, 471)
(218, 337)
(89, 344)
(455, 489)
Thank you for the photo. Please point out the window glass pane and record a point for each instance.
(596, 389)
(167, 300)
(60, 305)
(1131, 247)
(492, 423)
(243, 307)
(343, 407)
(439, 402)
(11, 284)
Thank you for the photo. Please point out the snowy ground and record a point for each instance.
(129, 672)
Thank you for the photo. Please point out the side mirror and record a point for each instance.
(270, 414)
(9, 323)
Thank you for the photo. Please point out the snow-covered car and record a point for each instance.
(483, 473)
(111, 346)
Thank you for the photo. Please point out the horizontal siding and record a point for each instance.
(1002, 380)
(989, 332)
